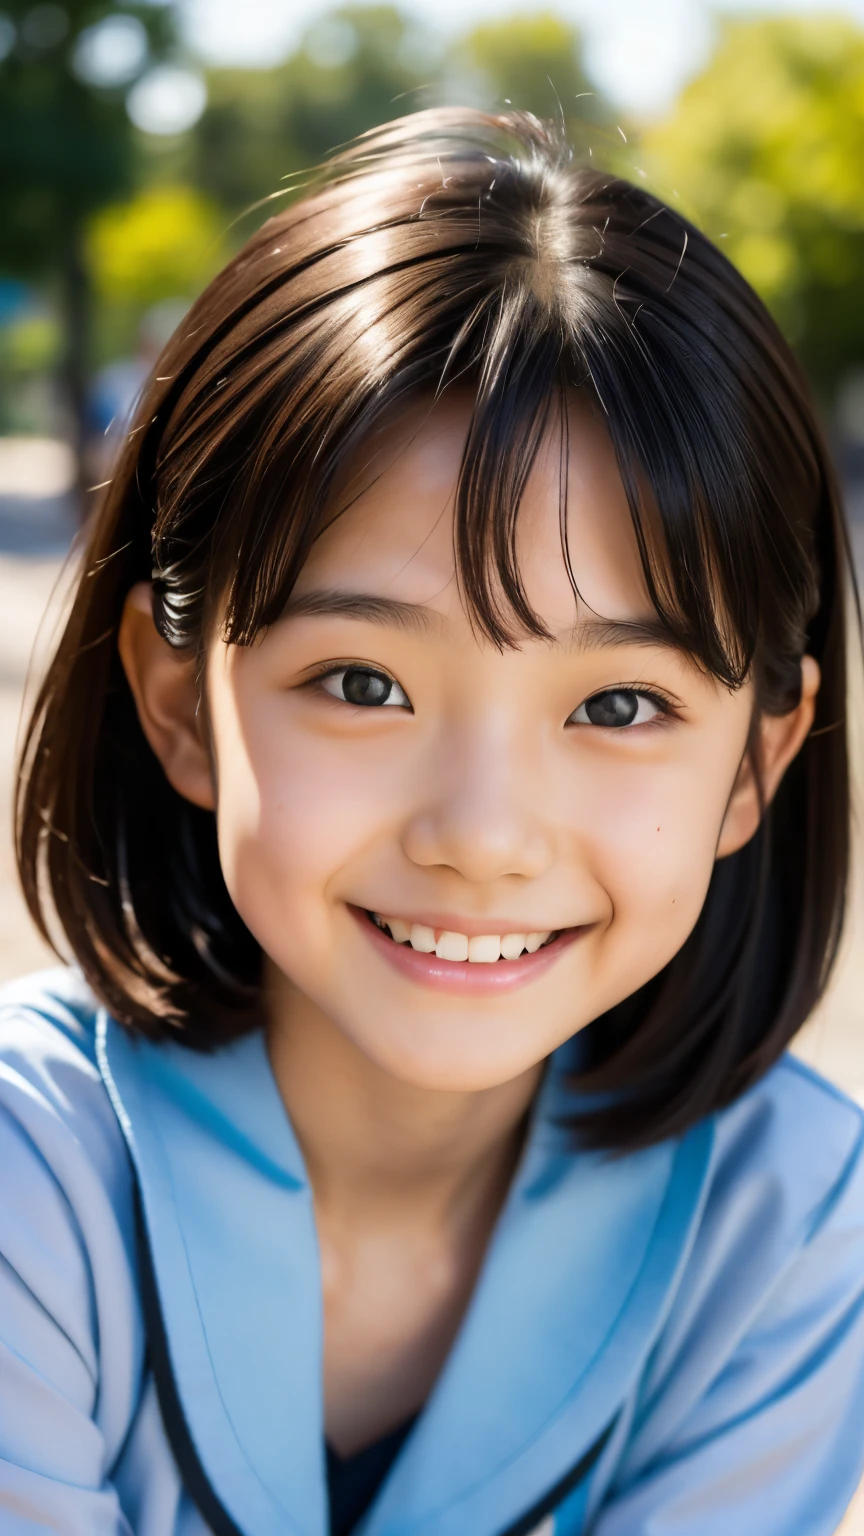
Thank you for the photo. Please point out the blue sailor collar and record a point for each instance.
(572, 1293)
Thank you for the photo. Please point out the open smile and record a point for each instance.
(456, 962)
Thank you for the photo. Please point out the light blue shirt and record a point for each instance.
(701, 1303)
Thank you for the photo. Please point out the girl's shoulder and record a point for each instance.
(48, 1031)
(72, 1334)
(48, 1006)
(783, 1203)
(762, 1350)
(62, 1135)
(794, 1130)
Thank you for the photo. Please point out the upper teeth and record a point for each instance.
(447, 945)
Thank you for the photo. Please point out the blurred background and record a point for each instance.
(141, 143)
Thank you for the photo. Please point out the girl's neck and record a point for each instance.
(376, 1145)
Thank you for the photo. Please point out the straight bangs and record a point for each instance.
(456, 247)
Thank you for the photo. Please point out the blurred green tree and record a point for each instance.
(361, 65)
(533, 62)
(766, 150)
(163, 244)
(357, 66)
(67, 146)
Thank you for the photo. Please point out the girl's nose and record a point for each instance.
(481, 817)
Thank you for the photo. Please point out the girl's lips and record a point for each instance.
(461, 975)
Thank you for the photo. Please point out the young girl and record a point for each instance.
(441, 786)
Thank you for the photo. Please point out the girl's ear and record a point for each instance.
(165, 689)
(780, 738)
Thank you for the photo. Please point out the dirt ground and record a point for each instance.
(35, 531)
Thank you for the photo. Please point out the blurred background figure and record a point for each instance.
(141, 142)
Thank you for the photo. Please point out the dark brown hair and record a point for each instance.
(459, 245)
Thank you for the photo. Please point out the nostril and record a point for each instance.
(479, 847)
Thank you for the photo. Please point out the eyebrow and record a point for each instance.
(585, 634)
(592, 634)
(388, 611)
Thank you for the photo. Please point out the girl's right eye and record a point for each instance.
(364, 686)
(617, 708)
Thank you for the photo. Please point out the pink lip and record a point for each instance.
(460, 975)
(442, 922)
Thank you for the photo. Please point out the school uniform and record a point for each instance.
(669, 1343)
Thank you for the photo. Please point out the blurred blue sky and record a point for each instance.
(639, 51)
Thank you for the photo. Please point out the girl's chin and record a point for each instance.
(441, 1060)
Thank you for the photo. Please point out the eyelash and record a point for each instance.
(667, 711)
(318, 678)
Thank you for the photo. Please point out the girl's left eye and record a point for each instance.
(618, 707)
(363, 685)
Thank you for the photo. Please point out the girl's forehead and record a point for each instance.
(393, 532)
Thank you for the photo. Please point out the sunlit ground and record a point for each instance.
(34, 535)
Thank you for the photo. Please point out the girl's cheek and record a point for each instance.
(290, 822)
(652, 839)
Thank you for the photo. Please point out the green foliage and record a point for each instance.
(164, 243)
(766, 149)
(361, 65)
(31, 344)
(66, 147)
(358, 66)
(534, 62)
(29, 350)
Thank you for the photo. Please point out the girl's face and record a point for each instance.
(376, 762)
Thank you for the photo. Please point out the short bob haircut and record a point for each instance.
(459, 245)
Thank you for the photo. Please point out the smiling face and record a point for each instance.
(376, 757)
(461, 855)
